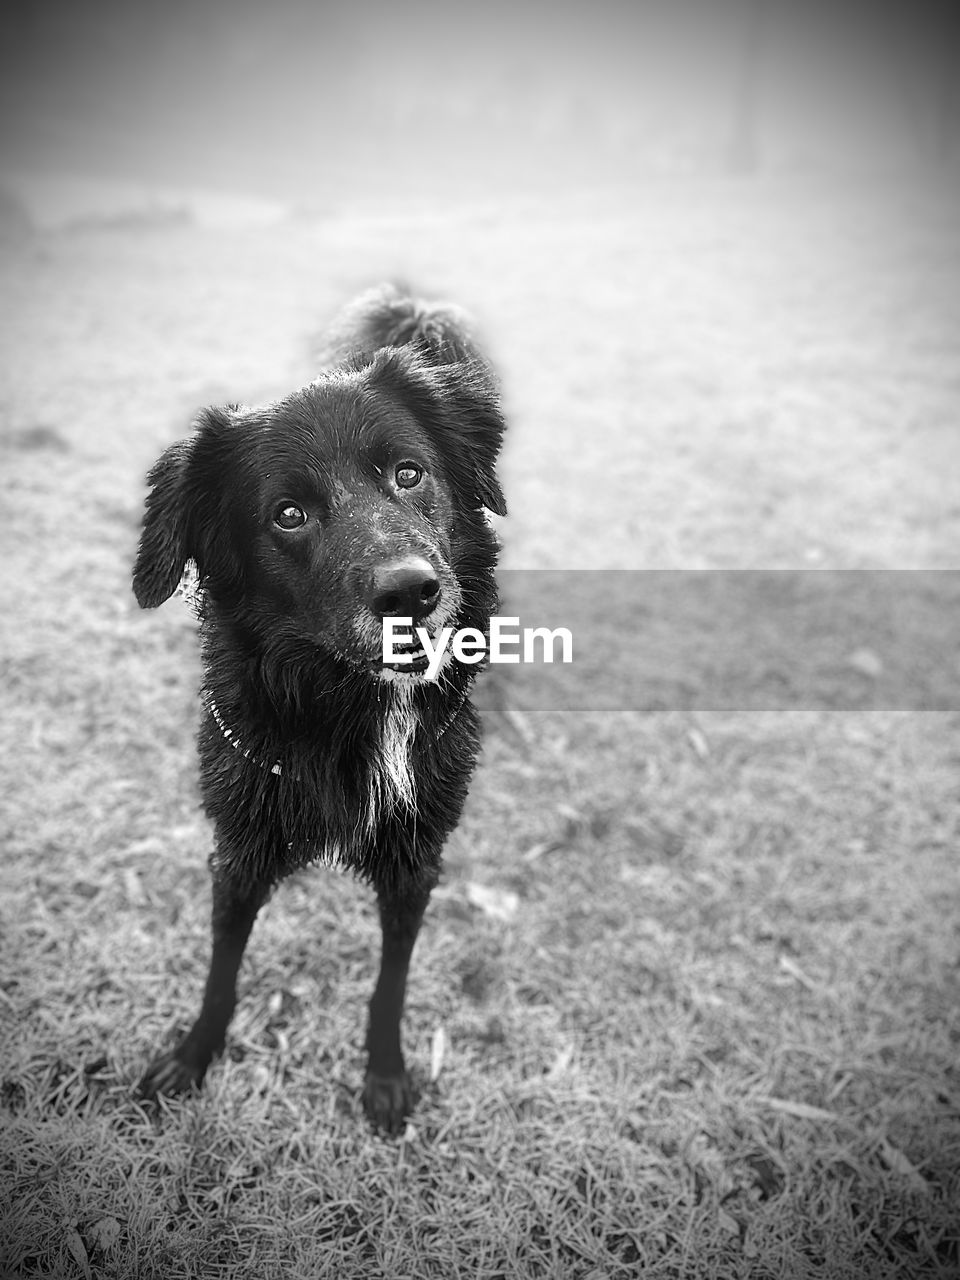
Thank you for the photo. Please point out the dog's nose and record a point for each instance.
(406, 588)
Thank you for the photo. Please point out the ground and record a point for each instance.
(686, 1002)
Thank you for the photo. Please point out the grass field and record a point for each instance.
(686, 1002)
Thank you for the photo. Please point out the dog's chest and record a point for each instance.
(385, 781)
(332, 806)
(391, 773)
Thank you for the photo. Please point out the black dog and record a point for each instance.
(357, 498)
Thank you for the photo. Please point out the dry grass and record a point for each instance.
(706, 1024)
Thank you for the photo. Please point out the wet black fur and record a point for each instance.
(287, 653)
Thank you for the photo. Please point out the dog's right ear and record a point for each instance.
(165, 541)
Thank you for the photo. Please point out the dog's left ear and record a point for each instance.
(458, 405)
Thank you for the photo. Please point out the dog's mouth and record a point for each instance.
(413, 656)
(412, 660)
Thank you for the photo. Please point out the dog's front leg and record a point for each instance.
(388, 1096)
(234, 911)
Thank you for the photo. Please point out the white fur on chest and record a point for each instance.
(391, 775)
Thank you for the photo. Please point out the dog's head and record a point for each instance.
(357, 498)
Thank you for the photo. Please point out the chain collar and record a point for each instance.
(277, 768)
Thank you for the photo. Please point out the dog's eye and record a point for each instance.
(408, 475)
(289, 516)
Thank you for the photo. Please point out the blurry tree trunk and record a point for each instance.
(947, 99)
(743, 146)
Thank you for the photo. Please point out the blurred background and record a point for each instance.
(330, 107)
(713, 234)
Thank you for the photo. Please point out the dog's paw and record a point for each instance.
(170, 1073)
(388, 1100)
